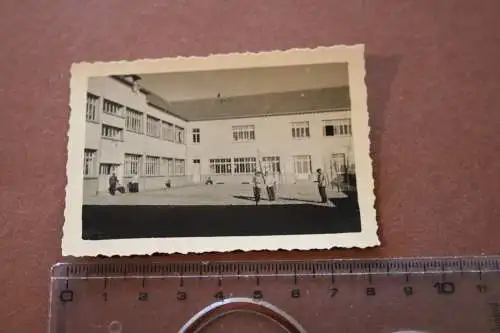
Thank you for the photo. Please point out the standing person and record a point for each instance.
(270, 186)
(257, 186)
(113, 181)
(134, 184)
(322, 186)
(277, 182)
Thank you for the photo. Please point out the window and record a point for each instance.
(196, 161)
(170, 167)
(196, 135)
(180, 166)
(338, 127)
(134, 121)
(244, 133)
(111, 132)
(152, 166)
(107, 168)
(167, 131)
(92, 107)
(164, 169)
(300, 130)
(132, 165)
(220, 166)
(245, 164)
(302, 165)
(89, 162)
(179, 134)
(271, 164)
(338, 164)
(153, 127)
(112, 108)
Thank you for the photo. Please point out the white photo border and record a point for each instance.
(353, 55)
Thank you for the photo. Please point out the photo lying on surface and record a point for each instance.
(253, 151)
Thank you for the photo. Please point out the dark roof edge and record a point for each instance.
(167, 111)
(120, 79)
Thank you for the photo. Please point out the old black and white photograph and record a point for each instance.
(251, 151)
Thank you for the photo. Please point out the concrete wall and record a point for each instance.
(273, 137)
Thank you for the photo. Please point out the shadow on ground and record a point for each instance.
(125, 222)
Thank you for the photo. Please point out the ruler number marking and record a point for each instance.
(445, 288)
(219, 295)
(295, 293)
(181, 296)
(333, 292)
(257, 294)
(370, 291)
(143, 297)
(482, 288)
(408, 290)
(66, 296)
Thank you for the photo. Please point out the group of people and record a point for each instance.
(114, 185)
(260, 180)
(266, 180)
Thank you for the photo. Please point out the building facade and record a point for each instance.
(291, 146)
(132, 133)
(127, 135)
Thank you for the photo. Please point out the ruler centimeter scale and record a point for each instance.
(435, 295)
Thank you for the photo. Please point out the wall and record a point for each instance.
(273, 137)
(113, 151)
(273, 134)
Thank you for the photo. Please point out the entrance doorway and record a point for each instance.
(196, 171)
(302, 164)
(338, 170)
(105, 171)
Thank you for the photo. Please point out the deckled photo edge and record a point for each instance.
(74, 245)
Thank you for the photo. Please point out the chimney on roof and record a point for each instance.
(135, 83)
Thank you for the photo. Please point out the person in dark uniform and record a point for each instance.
(257, 186)
(113, 181)
(322, 186)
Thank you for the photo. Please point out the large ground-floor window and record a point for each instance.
(180, 167)
(338, 164)
(108, 168)
(152, 166)
(167, 166)
(132, 165)
(245, 165)
(271, 164)
(220, 166)
(302, 166)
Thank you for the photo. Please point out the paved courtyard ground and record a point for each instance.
(218, 194)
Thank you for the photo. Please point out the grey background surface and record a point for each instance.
(433, 94)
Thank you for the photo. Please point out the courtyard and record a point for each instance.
(217, 194)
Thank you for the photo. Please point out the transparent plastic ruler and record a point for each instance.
(435, 295)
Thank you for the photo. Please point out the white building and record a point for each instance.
(136, 132)
(129, 135)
